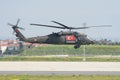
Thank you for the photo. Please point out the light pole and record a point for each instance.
(84, 47)
(84, 53)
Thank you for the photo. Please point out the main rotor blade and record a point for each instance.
(48, 26)
(79, 27)
(66, 27)
(61, 24)
(90, 27)
(101, 26)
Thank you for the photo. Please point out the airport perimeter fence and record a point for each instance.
(88, 50)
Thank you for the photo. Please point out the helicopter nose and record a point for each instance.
(90, 41)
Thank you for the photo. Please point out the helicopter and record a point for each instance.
(63, 37)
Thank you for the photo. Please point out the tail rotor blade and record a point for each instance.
(21, 28)
(17, 22)
(11, 24)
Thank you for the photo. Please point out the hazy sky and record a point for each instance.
(69, 12)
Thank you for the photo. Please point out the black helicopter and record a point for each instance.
(63, 37)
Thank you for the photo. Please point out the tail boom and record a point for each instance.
(19, 34)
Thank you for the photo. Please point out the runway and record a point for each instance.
(60, 68)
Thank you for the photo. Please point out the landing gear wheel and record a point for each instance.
(76, 46)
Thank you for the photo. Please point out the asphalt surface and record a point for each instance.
(60, 68)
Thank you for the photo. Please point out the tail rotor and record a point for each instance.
(16, 26)
(17, 32)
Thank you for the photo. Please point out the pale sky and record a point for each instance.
(69, 12)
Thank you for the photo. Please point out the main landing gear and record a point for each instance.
(76, 46)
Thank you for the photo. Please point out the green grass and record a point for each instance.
(69, 50)
(34, 54)
(38, 58)
(55, 77)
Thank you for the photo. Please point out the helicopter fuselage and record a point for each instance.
(60, 38)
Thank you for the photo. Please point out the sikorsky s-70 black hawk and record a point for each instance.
(63, 37)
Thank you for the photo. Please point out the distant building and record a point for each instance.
(3, 48)
(9, 47)
(15, 46)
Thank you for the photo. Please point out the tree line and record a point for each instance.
(106, 42)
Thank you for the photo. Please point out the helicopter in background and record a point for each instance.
(63, 37)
